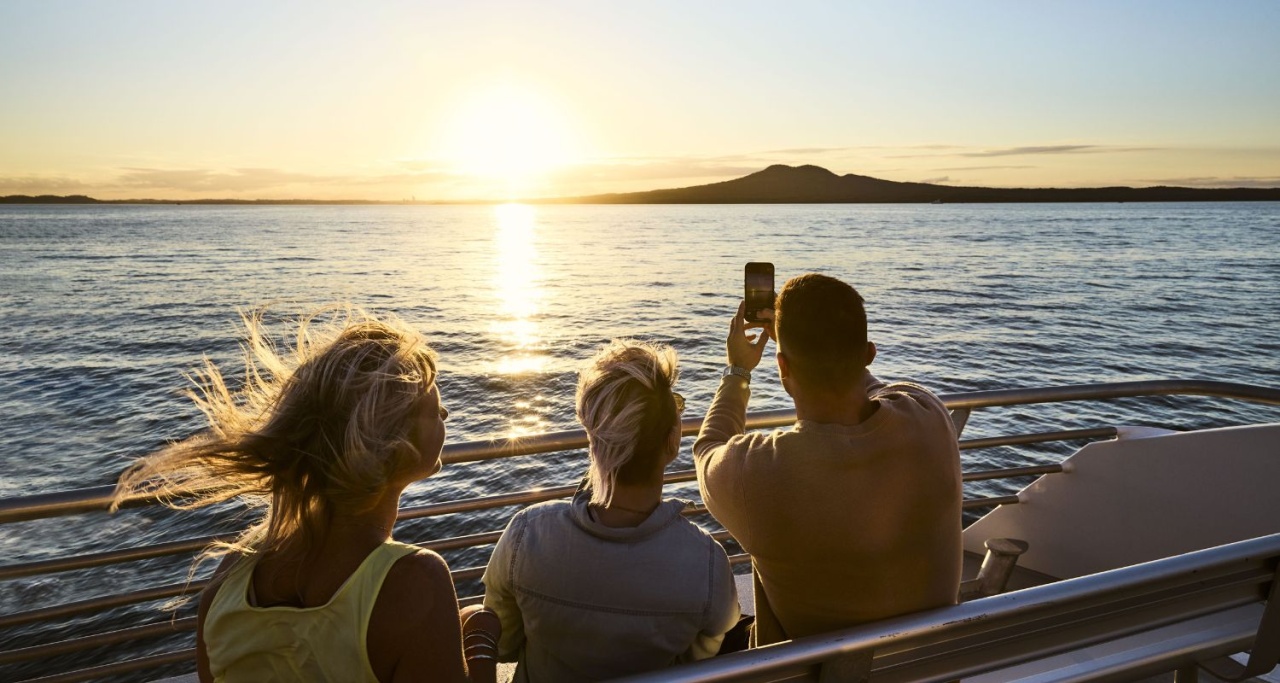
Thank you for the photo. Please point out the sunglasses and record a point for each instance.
(679, 402)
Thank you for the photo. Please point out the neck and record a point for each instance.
(372, 523)
(631, 504)
(842, 408)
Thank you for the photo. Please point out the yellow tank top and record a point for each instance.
(325, 643)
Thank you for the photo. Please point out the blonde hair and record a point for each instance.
(625, 403)
(326, 423)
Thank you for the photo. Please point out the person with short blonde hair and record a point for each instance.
(328, 437)
(616, 581)
(626, 404)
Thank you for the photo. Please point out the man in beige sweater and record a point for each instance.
(853, 514)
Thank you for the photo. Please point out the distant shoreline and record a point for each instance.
(778, 184)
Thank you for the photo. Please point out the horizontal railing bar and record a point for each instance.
(1039, 437)
(163, 549)
(119, 667)
(456, 542)
(495, 449)
(98, 640)
(16, 571)
(78, 607)
(970, 503)
(44, 505)
(1010, 472)
(1110, 390)
(468, 573)
(174, 590)
(486, 502)
(59, 503)
(71, 609)
(453, 543)
(518, 498)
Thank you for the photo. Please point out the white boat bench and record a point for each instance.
(1173, 614)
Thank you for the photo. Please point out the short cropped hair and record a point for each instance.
(626, 405)
(822, 327)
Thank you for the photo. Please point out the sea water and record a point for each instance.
(105, 307)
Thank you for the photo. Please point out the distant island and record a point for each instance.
(781, 184)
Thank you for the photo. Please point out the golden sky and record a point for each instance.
(500, 100)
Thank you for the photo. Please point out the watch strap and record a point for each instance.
(736, 371)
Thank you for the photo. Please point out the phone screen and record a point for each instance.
(759, 289)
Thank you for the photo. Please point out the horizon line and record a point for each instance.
(581, 199)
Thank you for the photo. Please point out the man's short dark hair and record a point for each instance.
(822, 325)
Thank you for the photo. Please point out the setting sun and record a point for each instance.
(508, 133)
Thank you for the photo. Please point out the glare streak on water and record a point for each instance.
(104, 308)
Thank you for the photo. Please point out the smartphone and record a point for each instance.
(759, 290)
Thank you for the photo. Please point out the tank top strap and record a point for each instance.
(367, 580)
(361, 590)
(235, 588)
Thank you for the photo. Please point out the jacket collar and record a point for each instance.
(667, 512)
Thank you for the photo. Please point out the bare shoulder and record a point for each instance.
(415, 586)
(416, 580)
(414, 625)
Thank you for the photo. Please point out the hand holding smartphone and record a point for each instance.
(759, 294)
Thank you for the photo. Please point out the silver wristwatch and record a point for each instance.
(736, 371)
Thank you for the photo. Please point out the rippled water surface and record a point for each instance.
(104, 307)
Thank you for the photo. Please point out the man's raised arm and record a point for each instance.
(713, 452)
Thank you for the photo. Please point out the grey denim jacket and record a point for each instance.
(580, 601)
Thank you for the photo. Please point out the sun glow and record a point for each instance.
(510, 134)
(516, 281)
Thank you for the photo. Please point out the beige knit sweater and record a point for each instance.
(844, 524)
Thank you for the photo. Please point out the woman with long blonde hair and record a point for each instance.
(329, 435)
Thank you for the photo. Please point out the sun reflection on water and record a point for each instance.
(517, 280)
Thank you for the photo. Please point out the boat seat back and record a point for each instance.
(1133, 500)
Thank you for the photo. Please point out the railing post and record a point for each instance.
(997, 567)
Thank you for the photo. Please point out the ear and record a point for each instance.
(675, 448)
(871, 352)
(784, 368)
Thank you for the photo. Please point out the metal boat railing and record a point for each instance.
(98, 499)
(997, 633)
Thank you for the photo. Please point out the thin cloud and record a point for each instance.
(808, 150)
(670, 168)
(432, 176)
(40, 185)
(852, 149)
(939, 179)
(1036, 149)
(1262, 182)
(207, 180)
(257, 181)
(982, 168)
(1032, 150)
